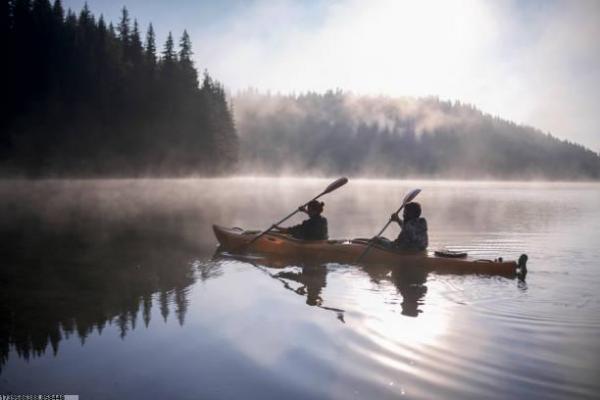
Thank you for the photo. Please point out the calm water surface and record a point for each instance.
(110, 289)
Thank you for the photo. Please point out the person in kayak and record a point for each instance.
(413, 235)
(314, 228)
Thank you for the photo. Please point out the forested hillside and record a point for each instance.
(82, 97)
(340, 133)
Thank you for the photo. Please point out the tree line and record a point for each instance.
(341, 133)
(83, 97)
(86, 98)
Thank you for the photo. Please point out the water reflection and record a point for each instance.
(312, 280)
(309, 279)
(55, 283)
(79, 258)
(409, 281)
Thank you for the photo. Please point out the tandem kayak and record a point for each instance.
(236, 240)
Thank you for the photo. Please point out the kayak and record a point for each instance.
(236, 240)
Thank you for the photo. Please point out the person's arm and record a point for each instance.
(292, 228)
(281, 229)
(394, 217)
(296, 230)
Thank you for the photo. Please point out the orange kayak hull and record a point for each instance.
(237, 241)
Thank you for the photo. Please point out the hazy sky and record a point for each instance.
(534, 62)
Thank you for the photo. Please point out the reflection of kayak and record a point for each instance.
(235, 240)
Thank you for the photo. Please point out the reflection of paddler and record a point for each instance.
(312, 278)
(410, 283)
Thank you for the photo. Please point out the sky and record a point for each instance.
(533, 62)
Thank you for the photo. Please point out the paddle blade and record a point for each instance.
(334, 185)
(410, 196)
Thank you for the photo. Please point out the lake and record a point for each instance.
(112, 289)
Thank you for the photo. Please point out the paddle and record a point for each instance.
(407, 199)
(332, 186)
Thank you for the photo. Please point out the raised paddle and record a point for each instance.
(332, 186)
(407, 199)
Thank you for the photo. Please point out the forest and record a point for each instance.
(85, 98)
(377, 136)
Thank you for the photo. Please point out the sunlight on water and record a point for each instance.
(112, 288)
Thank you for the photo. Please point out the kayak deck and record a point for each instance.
(236, 240)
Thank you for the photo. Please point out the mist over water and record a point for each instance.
(339, 132)
(109, 288)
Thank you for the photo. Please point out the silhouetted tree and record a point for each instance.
(136, 45)
(123, 27)
(150, 46)
(168, 54)
(188, 72)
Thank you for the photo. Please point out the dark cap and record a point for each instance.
(315, 205)
(413, 210)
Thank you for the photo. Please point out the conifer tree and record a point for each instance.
(168, 54)
(5, 10)
(58, 12)
(168, 67)
(185, 48)
(85, 16)
(102, 30)
(42, 14)
(188, 72)
(150, 46)
(123, 27)
(136, 44)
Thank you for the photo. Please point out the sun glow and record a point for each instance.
(383, 47)
(392, 317)
(528, 63)
(419, 48)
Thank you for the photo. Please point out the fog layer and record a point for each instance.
(343, 133)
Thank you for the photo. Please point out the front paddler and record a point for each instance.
(313, 228)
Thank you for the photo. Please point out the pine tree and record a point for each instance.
(188, 72)
(23, 56)
(70, 21)
(22, 22)
(58, 12)
(136, 44)
(85, 16)
(185, 48)
(123, 27)
(5, 10)
(168, 54)
(42, 14)
(102, 30)
(150, 46)
(7, 71)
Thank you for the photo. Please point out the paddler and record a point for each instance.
(413, 235)
(313, 228)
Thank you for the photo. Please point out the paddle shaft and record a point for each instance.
(333, 186)
(364, 253)
(282, 221)
(409, 197)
